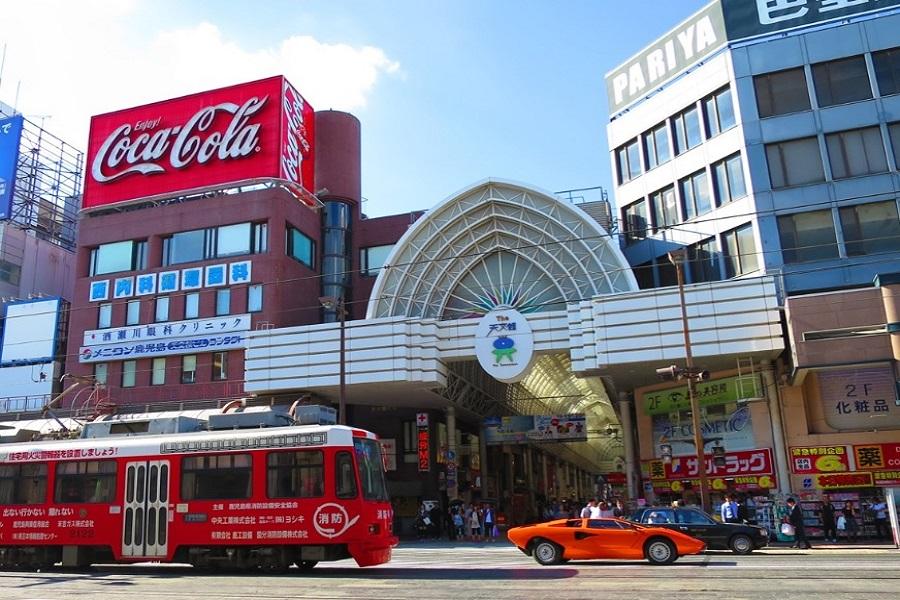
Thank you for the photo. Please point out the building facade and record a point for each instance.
(764, 138)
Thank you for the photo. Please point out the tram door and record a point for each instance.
(145, 529)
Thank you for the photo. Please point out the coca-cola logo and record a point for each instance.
(181, 145)
(296, 143)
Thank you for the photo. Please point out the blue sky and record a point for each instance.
(448, 93)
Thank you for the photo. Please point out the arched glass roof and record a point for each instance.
(498, 243)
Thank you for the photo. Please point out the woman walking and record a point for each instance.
(475, 525)
(851, 524)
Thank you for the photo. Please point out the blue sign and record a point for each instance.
(10, 134)
(133, 350)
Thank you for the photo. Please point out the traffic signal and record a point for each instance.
(670, 373)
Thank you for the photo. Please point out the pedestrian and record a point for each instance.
(729, 510)
(458, 525)
(795, 518)
(851, 525)
(475, 525)
(588, 508)
(489, 523)
(829, 529)
(881, 527)
(605, 511)
(619, 510)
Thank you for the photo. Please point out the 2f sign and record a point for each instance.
(662, 61)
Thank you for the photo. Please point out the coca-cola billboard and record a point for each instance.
(253, 131)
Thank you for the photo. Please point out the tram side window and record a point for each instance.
(85, 481)
(344, 475)
(23, 484)
(219, 477)
(371, 469)
(295, 474)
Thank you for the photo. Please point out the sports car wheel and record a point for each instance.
(741, 544)
(547, 553)
(660, 551)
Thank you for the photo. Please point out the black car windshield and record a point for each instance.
(693, 517)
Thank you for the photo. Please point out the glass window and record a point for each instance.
(656, 146)
(217, 477)
(841, 81)
(133, 312)
(795, 162)
(104, 316)
(162, 309)
(118, 256)
(695, 194)
(100, 372)
(781, 92)
(718, 112)
(807, 236)
(636, 221)
(223, 302)
(298, 474)
(300, 247)
(644, 275)
(344, 475)
(187, 246)
(220, 366)
(688, 133)
(159, 371)
(85, 481)
(728, 176)
(894, 132)
(693, 517)
(260, 238)
(665, 208)
(887, 71)
(10, 272)
(129, 370)
(189, 368)
(628, 159)
(704, 261)
(740, 251)
(856, 152)
(192, 305)
(232, 240)
(871, 228)
(370, 467)
(254, 297)
(371, 259)
(23, 484)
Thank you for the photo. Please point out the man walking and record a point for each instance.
(729, 511)
(795, 518)
(881, 527)
(829, 528)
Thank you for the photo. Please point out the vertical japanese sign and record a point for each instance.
(10, 135)
(423, 442)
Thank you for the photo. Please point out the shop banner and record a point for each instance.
(882, 459)
(744, 463)
(859, 399)
(839, 481)
(535, 428)
(10, 136)
(743, 483)
(734, 429)
(819, 459)
(709, 393)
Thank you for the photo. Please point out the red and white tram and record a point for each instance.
(240, 498)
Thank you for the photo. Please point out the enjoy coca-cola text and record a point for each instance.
(193, 142)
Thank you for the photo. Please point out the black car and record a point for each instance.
(737, 537)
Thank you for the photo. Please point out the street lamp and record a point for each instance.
(678, 258)
(337, 305)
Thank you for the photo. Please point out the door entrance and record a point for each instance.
(145, 528)
(892, 498)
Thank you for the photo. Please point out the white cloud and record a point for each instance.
(77, 59)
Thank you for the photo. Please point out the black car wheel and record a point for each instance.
(660, 551)
(741, 544)
(547, 553)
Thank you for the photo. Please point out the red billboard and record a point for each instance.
(252, 131)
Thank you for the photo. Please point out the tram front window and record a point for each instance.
(371, 469)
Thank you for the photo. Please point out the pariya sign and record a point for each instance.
(258, 130)
(504, 345)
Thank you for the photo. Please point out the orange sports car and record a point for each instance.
(577, 539)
